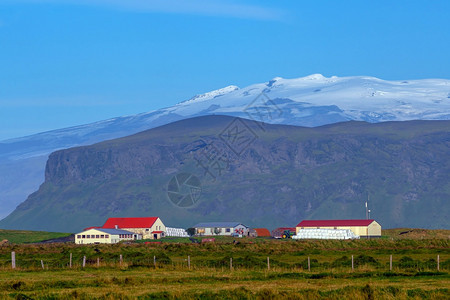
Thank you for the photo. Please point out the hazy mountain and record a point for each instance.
(309, 101)
(260, 174)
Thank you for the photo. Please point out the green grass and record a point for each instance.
(144, 283)
(414, 274)
(24, 236)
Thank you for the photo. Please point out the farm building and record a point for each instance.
(105, 236)
(221, 228)
(362, 228)
(259, 232)
(148, 227)
(278, 232)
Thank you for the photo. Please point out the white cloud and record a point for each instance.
(221, 8)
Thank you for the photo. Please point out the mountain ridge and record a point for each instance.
(287, 173)
(307, 101)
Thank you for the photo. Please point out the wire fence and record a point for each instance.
(361, 262)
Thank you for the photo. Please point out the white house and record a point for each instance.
(221, 228)
(148, 227)
(105, 236)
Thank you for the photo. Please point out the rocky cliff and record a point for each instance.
(219, 168)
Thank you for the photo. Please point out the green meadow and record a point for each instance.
(26, 236)
(230, 269)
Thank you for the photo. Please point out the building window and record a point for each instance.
(79, 236)
(83, 236)
(102, 236)
(147, 229)
(97, 236)
(107, 236)
(228, 230)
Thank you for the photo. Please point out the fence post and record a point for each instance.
(438, 262)
(13, 259)
(390, 262)
(84, 261)
(70, 260)
(352, 264)
(189, 262)
(268, 263)
(231, 263)
(309, 264)
(42, 264)
(98, 262)
(121, 259)
(154, 261)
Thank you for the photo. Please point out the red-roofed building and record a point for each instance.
(148, 227)
(259, 232)
(364, 228)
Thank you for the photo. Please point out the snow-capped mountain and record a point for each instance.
(308, 101)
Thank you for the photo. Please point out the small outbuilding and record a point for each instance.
(105, 236)
(221, 228)
(363, 228)
(259, 232)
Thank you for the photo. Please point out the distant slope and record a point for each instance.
(24, 236)
(283, 174)
(310, 101)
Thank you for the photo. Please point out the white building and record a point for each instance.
(363, 228)
(105, 236)
(221, 228)
(148, 227)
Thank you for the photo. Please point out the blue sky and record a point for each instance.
(71, 62)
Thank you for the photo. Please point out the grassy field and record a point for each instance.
(220, 284)
(416, 233)
(25, 236)
(414, 274)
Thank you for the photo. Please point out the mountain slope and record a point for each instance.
(308, 101)
(259, 174)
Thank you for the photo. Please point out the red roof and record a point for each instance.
(92, 227)
(130, 222)
(284, 228)
(262, 231)
(332, 223)
(157, 231)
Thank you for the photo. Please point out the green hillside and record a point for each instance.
(259, 174)
(25, 236)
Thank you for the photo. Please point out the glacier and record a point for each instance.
(311, 101)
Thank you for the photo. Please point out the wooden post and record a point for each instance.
(268, 263)
(231, 263)
(309, 264)
(84, 261)
(189, 262)
(438, 262)
(42, 264)
(70, 260)
(154, 261)
(13, 260)
(98, 262)
(390, 262)
(352, 264)
(121, 259)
